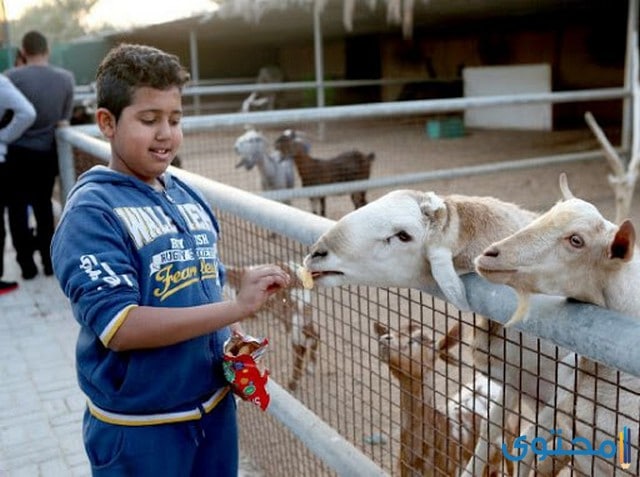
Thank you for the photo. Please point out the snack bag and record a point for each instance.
(248, 378)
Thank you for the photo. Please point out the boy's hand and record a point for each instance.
(258, 284)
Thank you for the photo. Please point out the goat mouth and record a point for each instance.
(316, 275)
(495, 273)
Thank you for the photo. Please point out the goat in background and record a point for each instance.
(348, 166)
(292, 306)
(276, 171)
(433, 441)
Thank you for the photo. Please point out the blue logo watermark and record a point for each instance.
(579, 446)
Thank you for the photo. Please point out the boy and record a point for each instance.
(136, 253)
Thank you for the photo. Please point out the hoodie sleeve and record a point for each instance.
(95, 269)
(23, 112)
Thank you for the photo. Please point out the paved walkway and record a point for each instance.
(41, 405)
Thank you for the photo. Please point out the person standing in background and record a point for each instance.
(32, 160)
(16, 115)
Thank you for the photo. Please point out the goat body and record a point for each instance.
(292, 306)
(573, 251)
(433, 441)
(348, 166)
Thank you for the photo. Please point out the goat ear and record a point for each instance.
(380, 328)
(432, 206)
(623, 242)
(449, 340)
(564, 187)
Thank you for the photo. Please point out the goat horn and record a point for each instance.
(564, 187)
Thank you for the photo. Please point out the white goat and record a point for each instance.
(276, 171)
(573, 251)
(292, 306)
(409, 239)
(432, 441)
(413, 239)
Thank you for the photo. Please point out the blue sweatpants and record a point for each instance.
(207, 447)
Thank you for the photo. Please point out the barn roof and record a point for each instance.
(288, 22)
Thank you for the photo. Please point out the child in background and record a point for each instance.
(136, 254)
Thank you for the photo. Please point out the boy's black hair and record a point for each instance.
(128, 67)
(34, 43)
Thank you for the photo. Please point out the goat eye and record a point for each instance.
(403, 236)
(576, 241)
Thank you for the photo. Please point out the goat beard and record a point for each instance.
(524, 301)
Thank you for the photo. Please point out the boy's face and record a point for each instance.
(147, 136)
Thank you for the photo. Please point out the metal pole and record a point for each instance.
(317, 47)
(195, 67)
(66, 166)
(628, 121)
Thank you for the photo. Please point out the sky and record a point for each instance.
(124, 13)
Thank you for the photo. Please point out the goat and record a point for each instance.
(276, 171)
(573, 251)
(348, 166)
(292, 306)
(432, 441)
(416, 239)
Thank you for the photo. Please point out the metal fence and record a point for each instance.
(353, 415)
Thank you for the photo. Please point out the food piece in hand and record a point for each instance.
(304, 275)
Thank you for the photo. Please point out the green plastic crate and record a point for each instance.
(442, 128)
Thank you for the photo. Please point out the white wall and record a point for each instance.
(502, 80)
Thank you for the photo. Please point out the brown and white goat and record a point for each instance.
(573, 251)
(292, 306)
(432, 441)
(348, 166)
(415, 239)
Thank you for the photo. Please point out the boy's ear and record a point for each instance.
(106, 122)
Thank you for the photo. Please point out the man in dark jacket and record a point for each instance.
(32, 160)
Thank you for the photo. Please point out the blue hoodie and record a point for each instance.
(121, 244)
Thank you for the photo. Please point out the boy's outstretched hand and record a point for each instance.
(258, 284)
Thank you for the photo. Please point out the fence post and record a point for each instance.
(66, 166)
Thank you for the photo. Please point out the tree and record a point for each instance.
(59, 20)
(624, 174)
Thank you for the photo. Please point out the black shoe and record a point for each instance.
(6, 287)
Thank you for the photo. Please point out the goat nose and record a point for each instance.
(319, 254)
(491, 252)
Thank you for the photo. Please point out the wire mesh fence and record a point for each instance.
(384, 382)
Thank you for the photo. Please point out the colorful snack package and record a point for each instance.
(242, 368)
